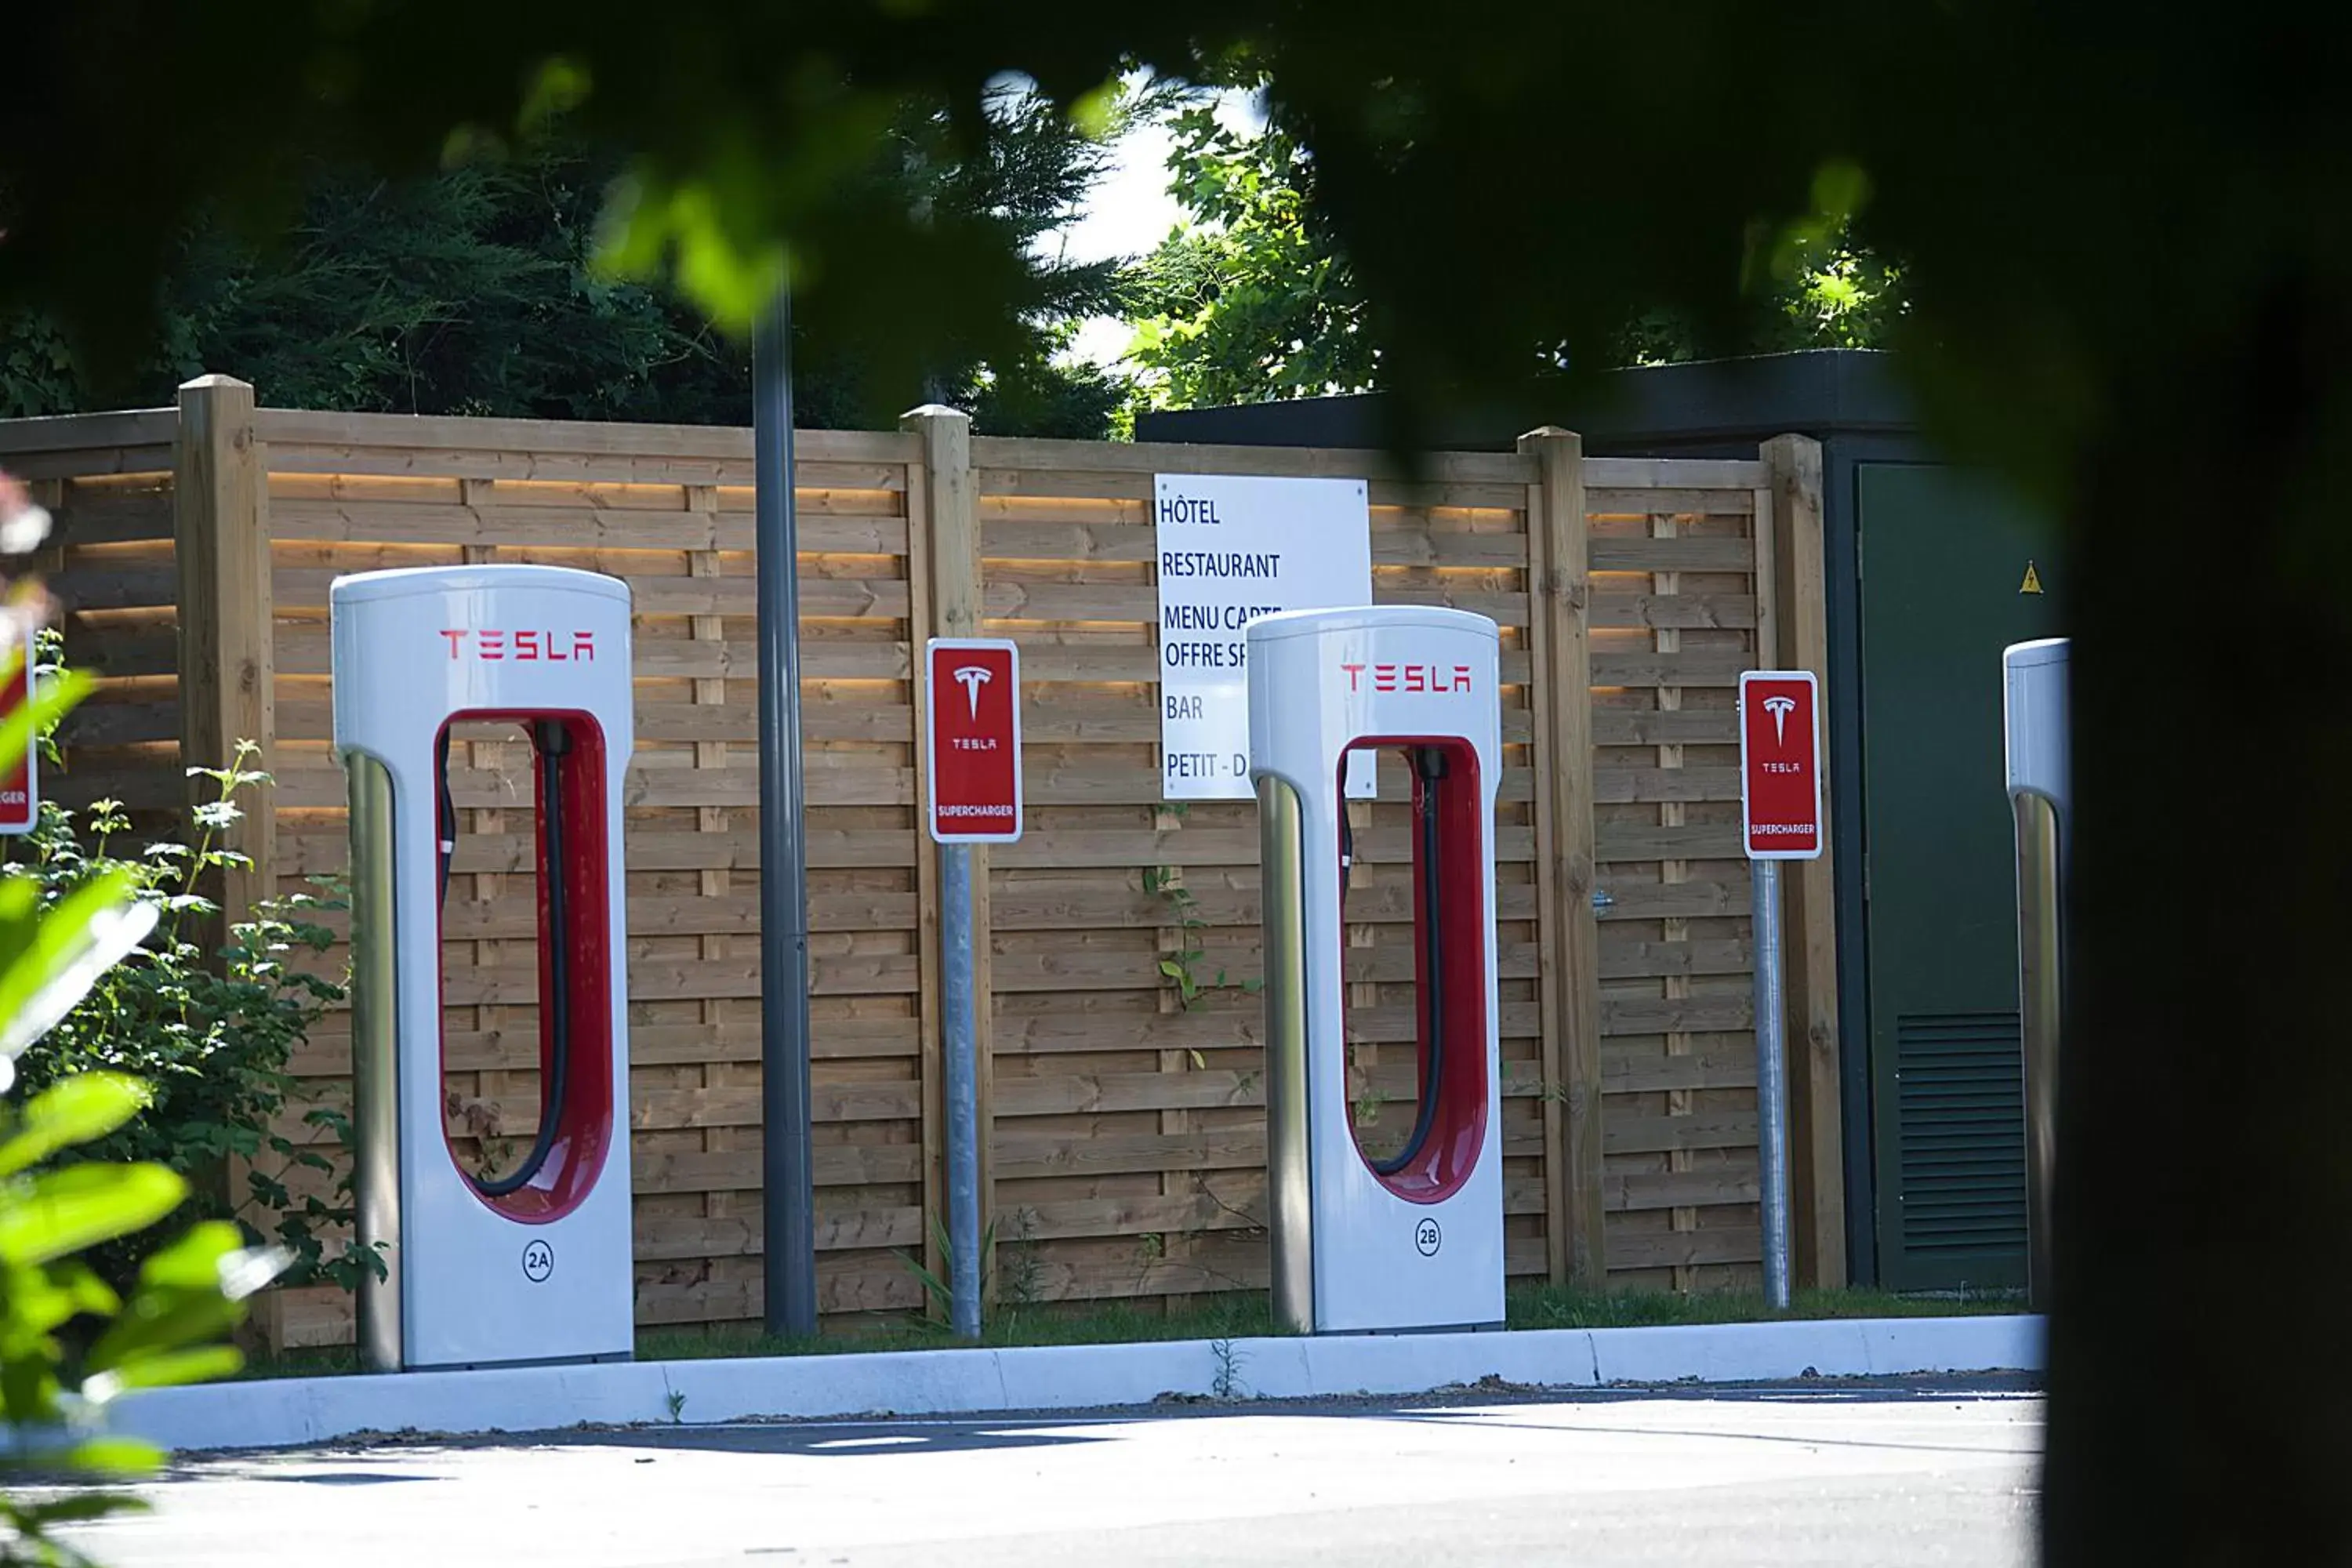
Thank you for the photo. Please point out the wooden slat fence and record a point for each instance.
(1126, 1154)
(107, 482)
(1675, 617)
(1129, 1130)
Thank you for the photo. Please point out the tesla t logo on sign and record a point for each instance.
(1780, 765)
(972, 739)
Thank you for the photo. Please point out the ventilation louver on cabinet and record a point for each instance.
(1960, 1093)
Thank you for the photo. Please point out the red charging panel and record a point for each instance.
(20, 798)
(1450, 1154)
(584, 1130)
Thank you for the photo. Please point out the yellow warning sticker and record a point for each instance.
(2032, 584)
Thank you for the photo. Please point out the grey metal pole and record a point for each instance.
(375, 1062)
(2034, 714)
(956, 1001)
(1771, 1081)
(788, 1231)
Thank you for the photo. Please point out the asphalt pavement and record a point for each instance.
(1875, 1474)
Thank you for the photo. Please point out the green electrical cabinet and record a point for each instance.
(1951, 574)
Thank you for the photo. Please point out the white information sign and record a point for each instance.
(1231, 549)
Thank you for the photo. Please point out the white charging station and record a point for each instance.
(2039, 756)
(1412, 1239)
(530, 1261)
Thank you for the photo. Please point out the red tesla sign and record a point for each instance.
(20, 794)
(973, 740)
(1780, 765)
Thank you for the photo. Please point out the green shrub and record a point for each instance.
(211, 1036)
(57, 939)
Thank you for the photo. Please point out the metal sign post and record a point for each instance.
(1780, 819)
(971, 734)
(788, 1181)
(2040, 792)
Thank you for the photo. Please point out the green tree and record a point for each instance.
(2128, 286)
(1244, 302)
(1253, 300)
(476, 289)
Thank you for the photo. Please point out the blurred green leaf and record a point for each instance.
(49, 964)
(29, 1383)
(53, 697)
(81, 1284)
(126, 1456)
(65, 1211)
(45, 1298)
(194, 1261)
(70, 1113)
(164, 1369)
(179, 1301)
(80, 1508)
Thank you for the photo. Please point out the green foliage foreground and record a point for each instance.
(70, 1342)
(211, 1036)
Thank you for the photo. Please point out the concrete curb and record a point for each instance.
(294, 1412)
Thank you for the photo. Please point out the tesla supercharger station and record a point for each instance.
(2034, 712)
(530, 1262)
(1415, 1240)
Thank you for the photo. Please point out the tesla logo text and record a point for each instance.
(1779, 707)
(558, 647)
(972, 678)
(1409, 676)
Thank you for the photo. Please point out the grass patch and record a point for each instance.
(1240, 1315)
(323, 1361)
(1233, 1317)
(1543, 1306)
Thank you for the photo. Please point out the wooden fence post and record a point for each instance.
(944, 552)
(220, 525)
(1800, 591)
(1571, 959)
(220, 501)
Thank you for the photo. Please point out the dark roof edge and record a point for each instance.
(1820, 392)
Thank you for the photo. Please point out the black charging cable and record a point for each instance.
(553, 742)
(1429, 767)
(446, 810)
